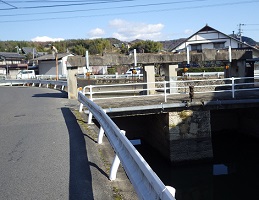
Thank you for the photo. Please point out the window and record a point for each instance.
(219, 45)
(196, 47)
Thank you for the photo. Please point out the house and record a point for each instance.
(210, 38)
(30, 51)
(47, 64)
(11, 63)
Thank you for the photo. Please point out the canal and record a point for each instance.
(232, 175)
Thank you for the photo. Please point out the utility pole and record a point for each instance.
(240, 31)
(55, 52)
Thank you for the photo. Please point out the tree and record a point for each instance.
(147, 46)
(99, 46)
(79, 50)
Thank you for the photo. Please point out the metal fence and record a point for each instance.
(34, 82)
(168, 88)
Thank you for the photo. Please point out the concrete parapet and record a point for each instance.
(151, 58)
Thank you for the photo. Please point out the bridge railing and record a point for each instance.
(34, 82)
(145, 181)
(203, 74)
(169, 88)
(50, 77)
(112, 76)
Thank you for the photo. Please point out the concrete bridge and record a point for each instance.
(238, 63)
(163, 58)
(181, 129)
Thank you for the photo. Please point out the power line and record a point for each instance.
(95, 9)
(65, 5)
(136, 12)
(8, 4)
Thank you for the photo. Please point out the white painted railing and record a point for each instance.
(112, 76)
(145, 181)
(204, 74)
(34, 82)
(178, 87)
(51, 77)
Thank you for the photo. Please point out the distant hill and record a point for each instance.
(249, 41)
(245, 39)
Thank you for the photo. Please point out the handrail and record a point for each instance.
(146, 183)
(136, 90)
(203, 74)
(11, 82)
(112, 76)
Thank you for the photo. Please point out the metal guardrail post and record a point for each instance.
(81, 104)
(233, 87)
(101, 133)
(91, 92)
(90, 117)
(165, 91)
(115, 164)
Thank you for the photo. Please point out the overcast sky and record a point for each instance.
(126, 20)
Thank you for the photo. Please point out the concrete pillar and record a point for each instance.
(72, 82)
(149, 78)
(171, 75)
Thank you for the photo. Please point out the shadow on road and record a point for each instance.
(80, 179)
(58, 94)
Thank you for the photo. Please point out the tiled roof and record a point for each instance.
(11, 55)
(27, 50)
(52, 57)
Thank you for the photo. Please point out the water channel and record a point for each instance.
(232, 175)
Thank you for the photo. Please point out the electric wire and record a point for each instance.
(96, 9)
(65, 5)
(135, 12)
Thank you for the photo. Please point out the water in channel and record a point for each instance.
(232, 175)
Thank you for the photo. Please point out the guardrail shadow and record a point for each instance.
(57, 94)
(80, 178)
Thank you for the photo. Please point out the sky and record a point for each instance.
(126, 20)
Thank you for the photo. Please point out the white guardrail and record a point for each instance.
(144, 180)
(177, 87)
(127, 76)
(111, 76)
(33, 82)
(203, 74)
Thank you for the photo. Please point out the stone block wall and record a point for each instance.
(190, 136)
(181, 136)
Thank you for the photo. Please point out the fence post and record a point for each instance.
(91, 92)
(81, 105)
(115, 164)
(90, 117)
(101, 133)
(165, 91)
(233, 87)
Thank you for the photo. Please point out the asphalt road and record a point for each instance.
(43, 152)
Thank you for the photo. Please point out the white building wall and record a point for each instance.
(207, 41)
(47, 67)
